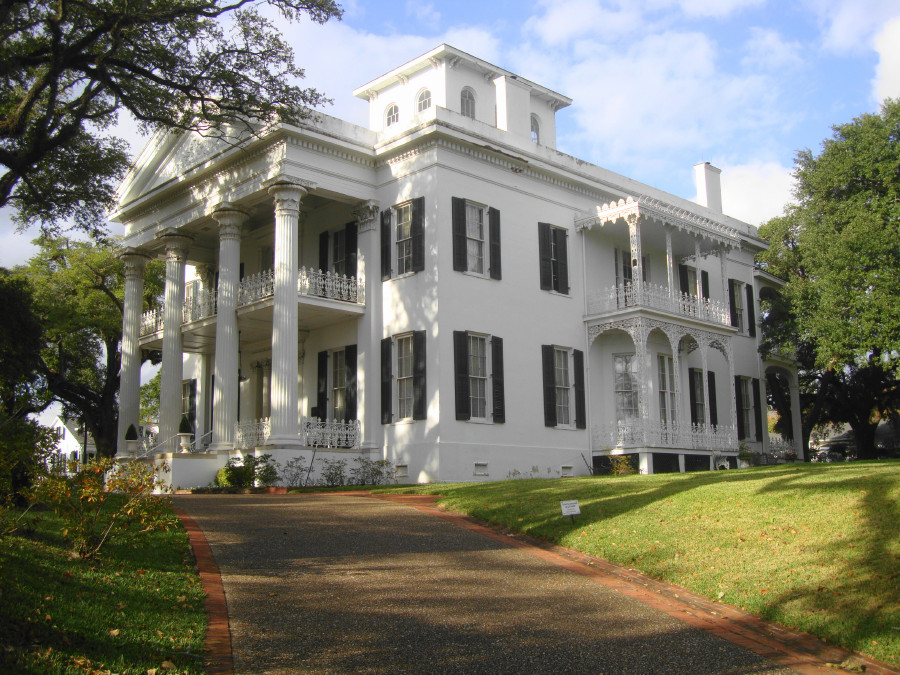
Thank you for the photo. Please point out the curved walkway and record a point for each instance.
(348, 583)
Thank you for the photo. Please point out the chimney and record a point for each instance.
(707, 179)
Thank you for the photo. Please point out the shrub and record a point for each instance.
(103, 497)
(622, 465)
(371, 472)
(334, 472)
(247, 471)
(26, 448)
(295, 471)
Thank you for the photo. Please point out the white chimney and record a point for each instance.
(707, 179)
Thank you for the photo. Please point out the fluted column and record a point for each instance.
(637, 261)
(226, 392)
(369, 332)
(670, 263)
(170, 378)
(285, 357)
(130, 382)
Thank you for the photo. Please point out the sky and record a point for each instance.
(657, 85)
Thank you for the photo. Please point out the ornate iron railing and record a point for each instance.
(151, 322)
(640, 433)
(200, 305)
(313, 432)
(654, 296)
(310, 281)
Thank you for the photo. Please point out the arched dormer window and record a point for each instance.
(467, 103)
(391, 115)
(535, 129)
(423, 101)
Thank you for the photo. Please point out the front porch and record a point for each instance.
(637, 433)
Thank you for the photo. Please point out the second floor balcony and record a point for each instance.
(630, 296)
(259, 288)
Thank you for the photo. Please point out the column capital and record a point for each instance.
(366, 215)
(175, 242)
(230, 219)
(284, 187)
(135, 261)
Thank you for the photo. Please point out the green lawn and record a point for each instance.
(136, 606)
(815, 547)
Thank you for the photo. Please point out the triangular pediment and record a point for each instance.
(167, 158)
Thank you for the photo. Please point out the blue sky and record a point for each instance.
(657, 85)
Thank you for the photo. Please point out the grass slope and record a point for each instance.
(135, 608)
(812, 547)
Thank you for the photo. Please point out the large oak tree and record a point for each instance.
(838, 248)
(67, 67)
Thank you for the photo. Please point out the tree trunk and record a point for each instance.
(865, 439)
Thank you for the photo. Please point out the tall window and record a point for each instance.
(467, 103)
(737, 307)
(189, 402)
(535, 129)
(554, 258)
(478, 376)
(626, 389)
(745, 407)
(666, 376)
(405, 377)
(392, 115)
(563, 386)
(423, 102)
(338, 385)
(698, 398)
(339, 253)
(475, 237)
(740, 298)
(404, 238)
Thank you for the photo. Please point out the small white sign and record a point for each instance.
(570, 508)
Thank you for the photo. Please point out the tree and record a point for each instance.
(78, 288)
(837, 249)
(150, 392)
(67, 67)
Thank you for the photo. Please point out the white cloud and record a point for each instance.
(768, 50)
(887, 73)
(716, 8)
(757, 191)
(564, 20)
(850, 25)
(423, 12)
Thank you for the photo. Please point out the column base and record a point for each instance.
(220, 446)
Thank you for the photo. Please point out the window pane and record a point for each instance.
(404, 378)
(467, 103)
(561, 368)
(626, 391)
(403, 238)
(424, 101)
(475, 238)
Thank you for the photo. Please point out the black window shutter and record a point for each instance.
(498, 387)
(350, 244)
(192, 403)
(757, 408)
(562, 260)
(751, 314)
(704, 283)
(458, 214)
(683, 280)
(387, 380)
(323, 251)
(322, 387)
(385, 244)
(739, 404)
(461, 374)
(420, 405)
(350, 395)
(692, 393)
(731, 302)
(578, 365)
(713, 411)
(546, 265)
(627, 273)
(494, 238)
(549, 385)
(417, 232)
(241, 272)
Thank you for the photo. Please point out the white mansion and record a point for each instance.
(444, 290)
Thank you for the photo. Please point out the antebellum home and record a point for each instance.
(444, 290)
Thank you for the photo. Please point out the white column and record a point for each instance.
(637, 262)
(266, 388)
(285, 357)
(370, 327)
(705, 365)
(670, 262)
(171, 371)
(130, 382)
(225, 392)
(697, 269)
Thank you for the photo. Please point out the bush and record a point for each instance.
(247, 471)
(371, 472)
(295, 471)
(103, 497)
(334, 472)
(26, 448)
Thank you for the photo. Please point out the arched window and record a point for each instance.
(535, 129)
(423, 102)
(392, 116)
(467, 103)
